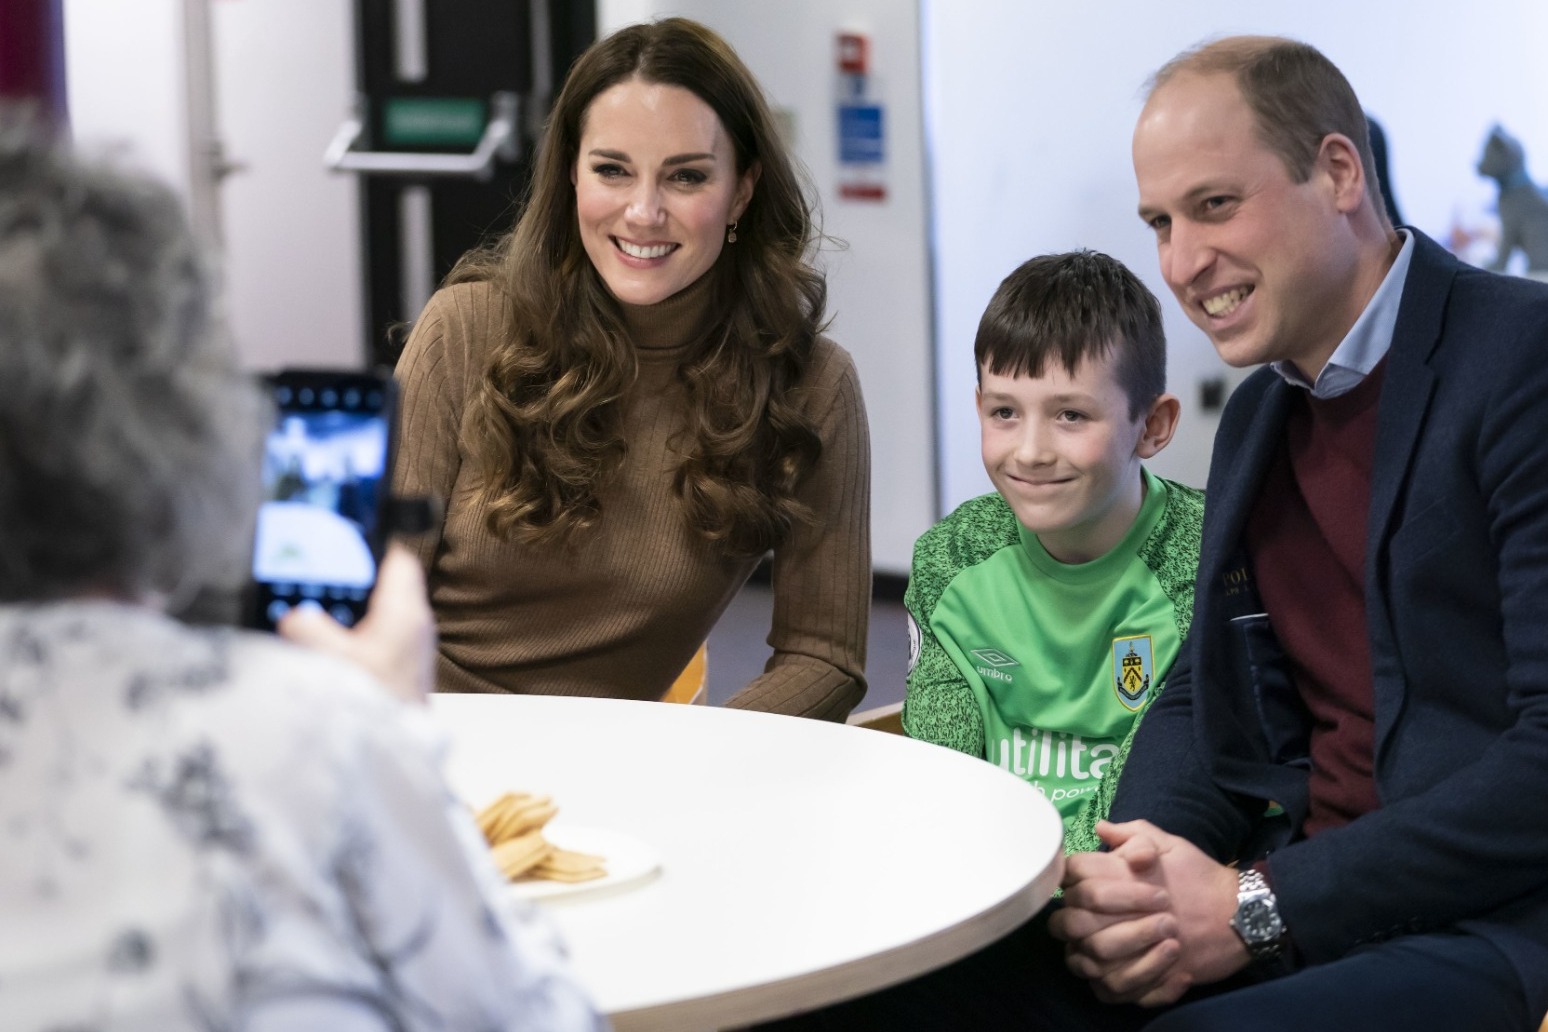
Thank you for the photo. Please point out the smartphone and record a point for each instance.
(322, 524)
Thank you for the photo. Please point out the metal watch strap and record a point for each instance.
(1257, 919)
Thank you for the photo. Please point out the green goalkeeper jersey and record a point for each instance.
(1044, 667)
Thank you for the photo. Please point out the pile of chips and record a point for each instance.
(513, 825)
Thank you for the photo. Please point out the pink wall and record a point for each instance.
(32, 52)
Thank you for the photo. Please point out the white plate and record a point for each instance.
(629, 862)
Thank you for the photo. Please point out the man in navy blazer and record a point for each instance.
(1337, 812)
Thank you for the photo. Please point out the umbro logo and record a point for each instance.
(994, 657)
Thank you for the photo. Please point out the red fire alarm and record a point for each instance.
(854, 53)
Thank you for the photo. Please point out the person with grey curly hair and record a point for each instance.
(130, 435)
(203, 827)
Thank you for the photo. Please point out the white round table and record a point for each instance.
(802, 862)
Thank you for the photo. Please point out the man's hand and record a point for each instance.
(1118, 922)
(1150, 918)
(395, 640)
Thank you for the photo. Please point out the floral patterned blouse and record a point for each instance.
(215, 830)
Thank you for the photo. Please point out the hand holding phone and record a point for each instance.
(395, 640)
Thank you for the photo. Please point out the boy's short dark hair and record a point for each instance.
(1069, 307)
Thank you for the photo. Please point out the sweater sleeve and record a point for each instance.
(939, 705)
(822, 573)
(433, 383)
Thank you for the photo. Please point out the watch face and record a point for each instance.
(1258, 921)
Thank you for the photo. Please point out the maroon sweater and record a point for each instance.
(1306, 536)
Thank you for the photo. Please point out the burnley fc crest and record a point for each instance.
(1133, 670)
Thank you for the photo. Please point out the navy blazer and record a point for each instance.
(1457, 612)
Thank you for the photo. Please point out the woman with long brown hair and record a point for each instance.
(627, 402)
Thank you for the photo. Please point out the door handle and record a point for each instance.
(500, 141)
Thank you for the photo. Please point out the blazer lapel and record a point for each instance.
(1236, 476)
(1249, 441)
(1405, 400)
(1409, 381)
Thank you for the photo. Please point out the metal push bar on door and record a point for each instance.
(500, 141)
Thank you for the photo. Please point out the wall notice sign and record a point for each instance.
(861, 139)
(862, 123)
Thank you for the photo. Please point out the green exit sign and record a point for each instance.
(433, 121)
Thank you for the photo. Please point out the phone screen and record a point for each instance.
(326, 466)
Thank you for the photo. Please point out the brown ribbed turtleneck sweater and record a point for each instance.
(623, 612)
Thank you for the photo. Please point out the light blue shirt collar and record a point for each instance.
(1368, 339)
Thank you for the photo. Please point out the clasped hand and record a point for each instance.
(1148, 919)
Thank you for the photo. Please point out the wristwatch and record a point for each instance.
(1257, 918)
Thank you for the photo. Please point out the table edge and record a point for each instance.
(801, 993)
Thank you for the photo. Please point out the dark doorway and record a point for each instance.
(432, 75)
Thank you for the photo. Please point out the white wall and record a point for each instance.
(284, 81)
(283, 71)
(125, 83)
(879, 285)
(1029, 125)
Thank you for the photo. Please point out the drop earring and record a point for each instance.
(731, 232)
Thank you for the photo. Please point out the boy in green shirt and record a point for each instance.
(1043, 618)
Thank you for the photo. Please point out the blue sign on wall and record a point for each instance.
(860, 134)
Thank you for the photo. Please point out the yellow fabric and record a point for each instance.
(691, 684)
(880, 718)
